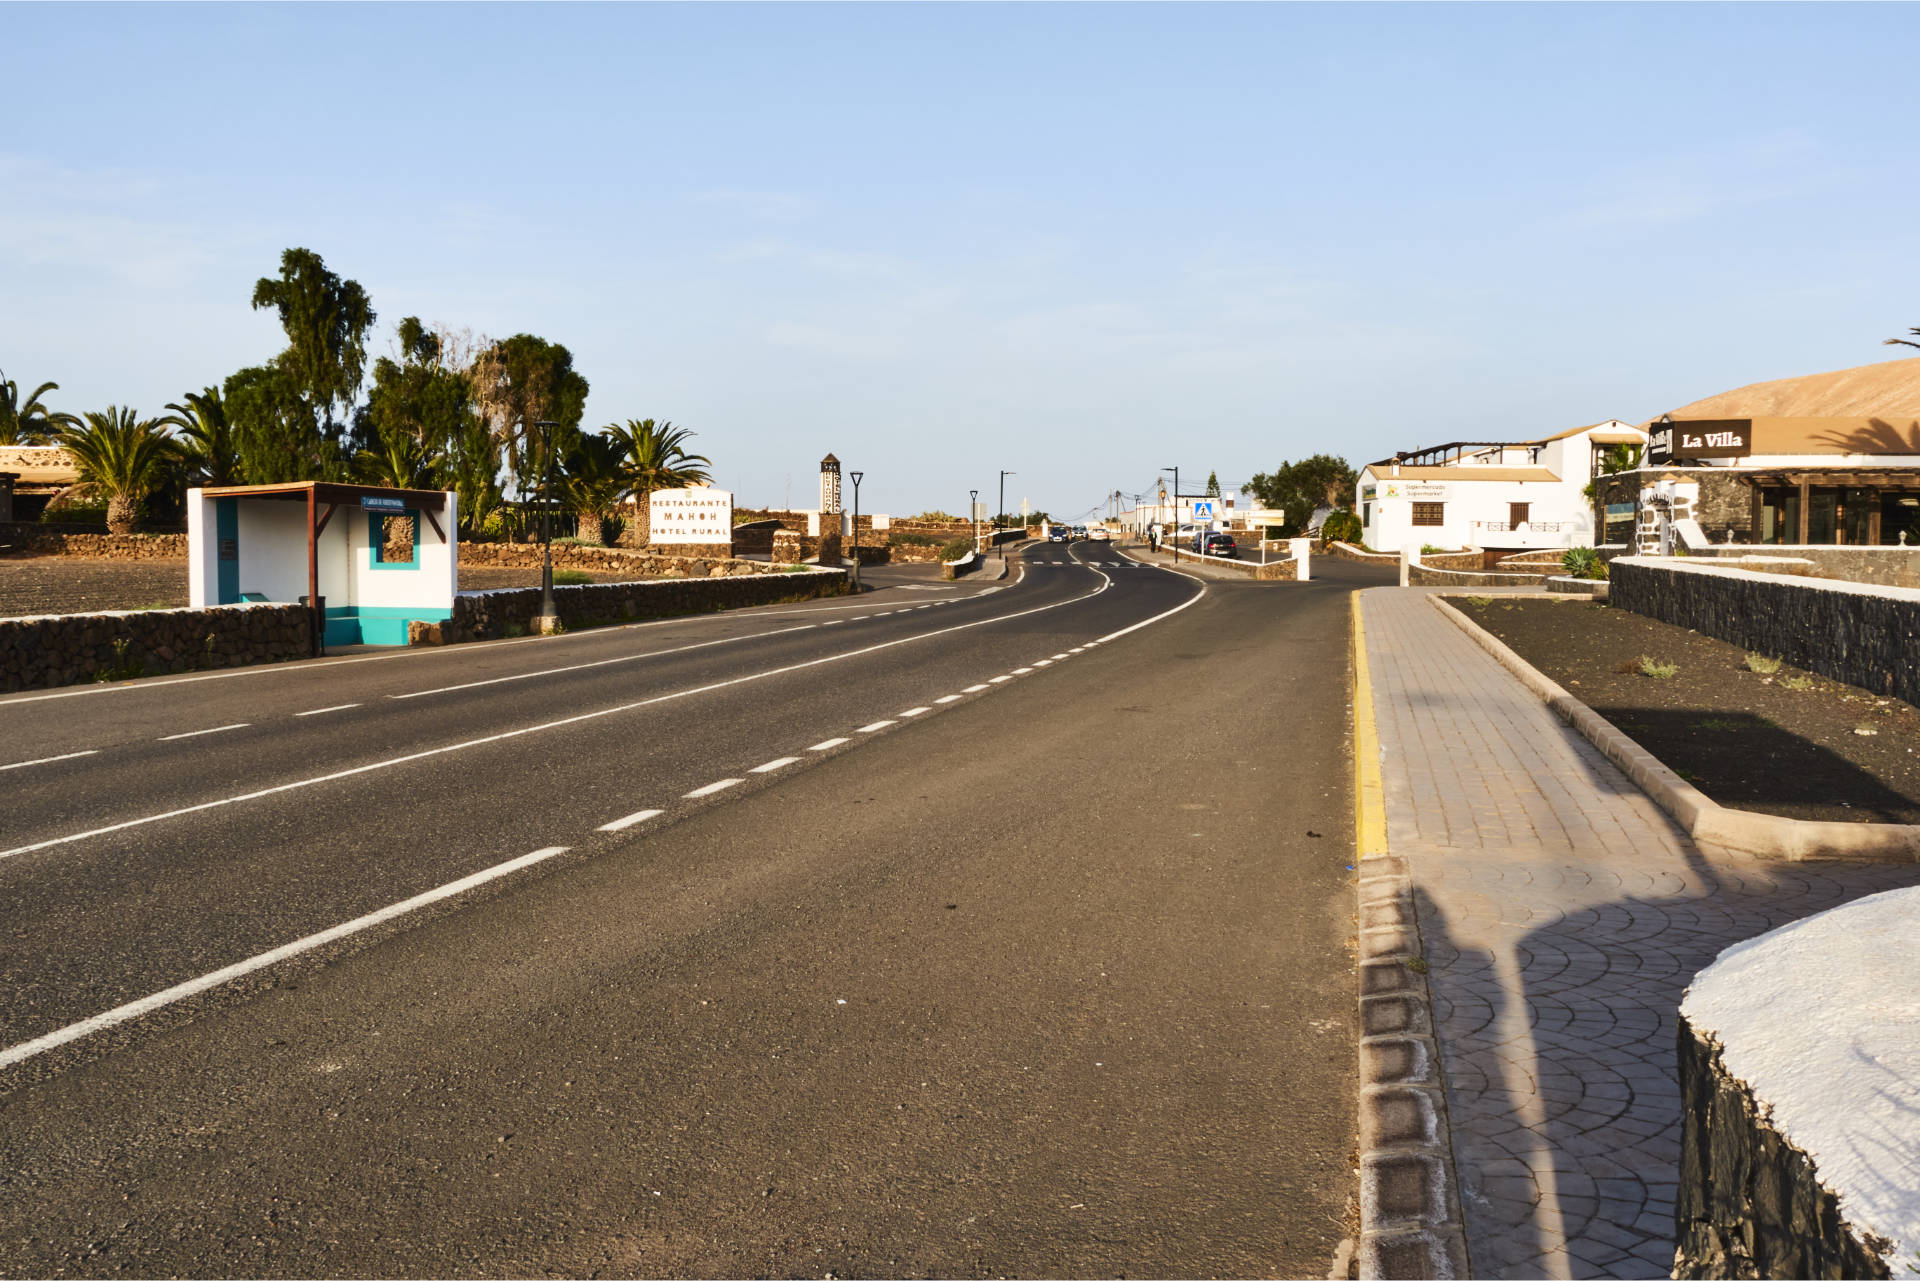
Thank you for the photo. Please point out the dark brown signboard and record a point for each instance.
(1699, 438)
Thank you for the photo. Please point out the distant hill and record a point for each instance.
(1890, 389)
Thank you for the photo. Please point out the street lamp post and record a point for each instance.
(855, 477)
(973, 515)
(1001, 518)
(548, 616)
(1174, 542)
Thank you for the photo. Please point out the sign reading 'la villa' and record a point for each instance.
(697, 515)
(1701, 438)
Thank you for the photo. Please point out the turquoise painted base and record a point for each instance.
(377, 624)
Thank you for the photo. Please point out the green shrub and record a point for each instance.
(1343, 527)
(1762, 664)
(1579, 561)
(1428, 549)
(956, 549)
(1659, 671)
(571, 577)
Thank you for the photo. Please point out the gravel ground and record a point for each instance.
(1786, 742)
(71, 585)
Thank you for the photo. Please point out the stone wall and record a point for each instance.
(66, 649)
(1420, 574)
(1750, 1204)
(91, 541)
(509, 612)
(695, 563)
(1856, 634)
(1886, 566)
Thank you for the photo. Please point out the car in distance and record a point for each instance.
(1215, 544)
(1059, 534)
(1098, 534)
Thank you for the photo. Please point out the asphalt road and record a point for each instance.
(917, 945)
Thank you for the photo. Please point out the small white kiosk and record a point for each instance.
(374, 559)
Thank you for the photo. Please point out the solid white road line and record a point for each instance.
(868, 729)
(771, 766)
(192, 987)
(829, 745)
(622, 824)
(606, 662)
(580, 718)
(948, 698)
(48, 760)
(711, 788)
(321, 711)
(196, 733)
(973, 689)
(916, 711)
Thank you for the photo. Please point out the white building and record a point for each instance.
(1490, 495)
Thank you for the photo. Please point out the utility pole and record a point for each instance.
(973, 515)
(856, 476)
(1001, 518)
(1174, 542)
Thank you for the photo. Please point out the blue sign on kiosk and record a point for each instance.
(381, 503)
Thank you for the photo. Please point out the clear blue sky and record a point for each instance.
(1081, 242)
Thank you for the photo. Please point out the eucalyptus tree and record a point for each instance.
(326, 320)
(121, 457)
(419, 395)
(595, 482)
(275, 434)
(207, 440)
(519, 382)
(397, 460)
(657, 458)
(31, 423)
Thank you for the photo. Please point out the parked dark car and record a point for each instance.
(1059, 534)
(1216, 545)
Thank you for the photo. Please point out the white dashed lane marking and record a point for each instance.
(997, 679)
(916, 711)
(973, 689)
(771, 766)
(48, 760)
(948, 698)
(1022, 671)
(196, 733)
(711, 788)
(622, 824)
(322, 711)
(829, 745)
(868, 729)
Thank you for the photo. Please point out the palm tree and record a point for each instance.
(122, 456)
(31, 423)
(657, 459)
(594, 479)
(208, 443)
(397, 460)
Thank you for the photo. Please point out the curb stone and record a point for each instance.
(1410, 1222)
(1698, 815)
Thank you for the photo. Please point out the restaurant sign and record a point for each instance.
(1699, 438)
(695, 515)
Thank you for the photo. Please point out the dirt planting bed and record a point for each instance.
(1783, 742)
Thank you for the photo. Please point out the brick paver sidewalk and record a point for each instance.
(1562, 916)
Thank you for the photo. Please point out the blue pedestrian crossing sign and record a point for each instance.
(1203, 509)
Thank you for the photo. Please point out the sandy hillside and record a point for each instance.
(1888, 389)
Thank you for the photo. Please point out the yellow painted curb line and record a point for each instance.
(1369, 795)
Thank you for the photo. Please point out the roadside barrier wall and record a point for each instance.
(1798, 1127)
(92, 541)
(1884, 566)
(612, 560)
(67, 649)
(510, 611)
(1858, 634)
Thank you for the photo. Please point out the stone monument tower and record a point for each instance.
(829, 485)
(830, 510)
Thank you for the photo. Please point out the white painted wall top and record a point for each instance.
(1821, 1020)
